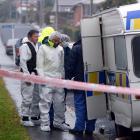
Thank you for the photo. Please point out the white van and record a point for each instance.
(111, 52)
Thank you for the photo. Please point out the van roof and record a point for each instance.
(128, 8)
(125, 18)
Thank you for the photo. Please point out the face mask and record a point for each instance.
(53, 44)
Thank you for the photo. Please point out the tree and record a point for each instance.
(49, 3)
(48, 9)
(7, 11)
(116, 3)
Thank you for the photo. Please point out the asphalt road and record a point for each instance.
(36, 134)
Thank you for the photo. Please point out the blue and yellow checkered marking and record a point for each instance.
(119, 79)
(133, 20)
(95, 77)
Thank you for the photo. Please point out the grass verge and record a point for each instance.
(10, 128)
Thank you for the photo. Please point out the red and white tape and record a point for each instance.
(60, 83)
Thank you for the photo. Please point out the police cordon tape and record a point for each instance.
(60, 83)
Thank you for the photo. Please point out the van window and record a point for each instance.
(136, 55)
(120, 53)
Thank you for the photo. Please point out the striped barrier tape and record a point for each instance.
(60, 83)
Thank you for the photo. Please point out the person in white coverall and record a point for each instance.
(50, 63)
(29, 91)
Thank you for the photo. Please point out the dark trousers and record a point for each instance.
(82, 123)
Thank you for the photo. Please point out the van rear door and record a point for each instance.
(93, 61)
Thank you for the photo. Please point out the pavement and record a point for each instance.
(13, 87)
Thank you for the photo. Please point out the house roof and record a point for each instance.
(67, 5)
(74, 2)
(68, 2)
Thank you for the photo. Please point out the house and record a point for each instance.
(72, 11)
(26, 5)
(65, 11)
(65, 6)
(82, 9)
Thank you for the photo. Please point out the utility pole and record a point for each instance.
(10, 13)
(42, 3)
(27, 11)
(56, 14)
(20, 12)
(91, 7)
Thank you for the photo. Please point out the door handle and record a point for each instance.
(86, 66)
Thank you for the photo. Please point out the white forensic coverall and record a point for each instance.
(30, 93)
(50, 63)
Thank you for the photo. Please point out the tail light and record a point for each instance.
(137, 97)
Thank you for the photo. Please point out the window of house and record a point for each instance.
(136, 55)
(120, 53)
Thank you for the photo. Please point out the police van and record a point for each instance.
(111, 54)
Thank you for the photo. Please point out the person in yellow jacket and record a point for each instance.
(46, 32)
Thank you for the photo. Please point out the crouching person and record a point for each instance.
(50, 63)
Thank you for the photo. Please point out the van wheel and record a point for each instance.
(136, 135)
(112, 116)
(122, 131)
(7, 52)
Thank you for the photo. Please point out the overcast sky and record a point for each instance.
(98, 1)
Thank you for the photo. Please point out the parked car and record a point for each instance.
(10, 45)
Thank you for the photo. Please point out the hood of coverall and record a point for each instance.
(45, 33)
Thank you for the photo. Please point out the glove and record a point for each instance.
(72, 79)
(43, 85)
(33, 73)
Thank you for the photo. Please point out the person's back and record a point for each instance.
(76, 70)
(67, 52)
(76, 62)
